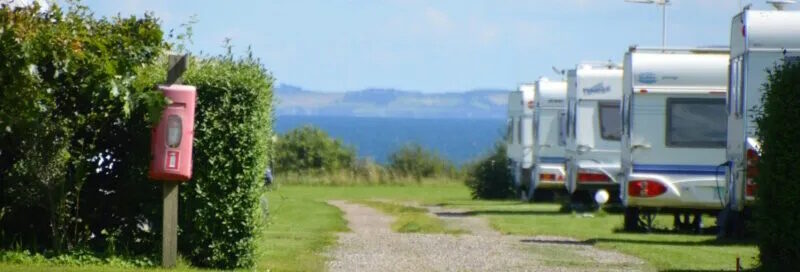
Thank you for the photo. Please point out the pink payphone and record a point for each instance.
(171, 140)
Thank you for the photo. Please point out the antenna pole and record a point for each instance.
(664, 25)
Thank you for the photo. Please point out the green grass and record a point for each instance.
(302, 227)
(664, 251)
(409, 219)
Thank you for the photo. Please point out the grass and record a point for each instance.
(363, 178)
(664, 251)
(409, 219)
(299, 229)
(302, 226)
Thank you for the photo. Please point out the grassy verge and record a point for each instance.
(411, 219)
(347, 178)
(664, 251)
(299, 230)
(302, 226)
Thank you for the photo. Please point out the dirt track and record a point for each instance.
(372, 246)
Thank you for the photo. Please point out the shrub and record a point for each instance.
(73, 136)
(76, 109)
(777, 219)
(310, 150)
(412, 160)
(219, 212)
(490, 177)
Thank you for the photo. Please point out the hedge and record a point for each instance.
(219, 212)
(310, 150)
(76, 110)
(778, 194)
(74, 130)
(490, 177)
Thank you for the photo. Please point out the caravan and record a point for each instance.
(594, 92)
(759, 41)
(673, 136)
(550, 135)
(519, 136)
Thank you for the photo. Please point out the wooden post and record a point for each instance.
(169, 242)
(169, 234)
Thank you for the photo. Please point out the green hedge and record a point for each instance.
(413, 160)
(76, 110)
(778, 194)
(219, 212)
(74, 135)
(310, 150)
(490, 177)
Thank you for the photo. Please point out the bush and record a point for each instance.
(777, 219)
(412, 160)
(310, 150)
(490, 177)
(74, 135)
(219, 212)
(76, 109)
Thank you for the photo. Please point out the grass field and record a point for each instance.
(302, 227)
(665, 252)
(409, 219)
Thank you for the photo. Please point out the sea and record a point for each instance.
(458, 140)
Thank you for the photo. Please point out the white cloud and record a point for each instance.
(437, 20)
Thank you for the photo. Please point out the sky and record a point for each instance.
(432, 46)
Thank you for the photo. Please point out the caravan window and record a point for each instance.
(693, 122)
(610, 122)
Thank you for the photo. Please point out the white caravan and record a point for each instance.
(759, 41)
(519, 137)
(673, 134)
(594, 92)
(549, 137)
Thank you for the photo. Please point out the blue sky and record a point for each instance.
(432, 46)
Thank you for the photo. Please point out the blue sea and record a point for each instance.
(458, 140)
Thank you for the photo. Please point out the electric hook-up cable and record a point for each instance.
(716, 180)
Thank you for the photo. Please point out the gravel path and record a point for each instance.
(373, 246)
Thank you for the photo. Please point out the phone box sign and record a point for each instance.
(171, 140)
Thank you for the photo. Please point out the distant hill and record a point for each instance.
(488, 103)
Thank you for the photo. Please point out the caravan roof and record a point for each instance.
(550, 94)
(765, 30)
(521, 101)
(669, 70)
(598, 81)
